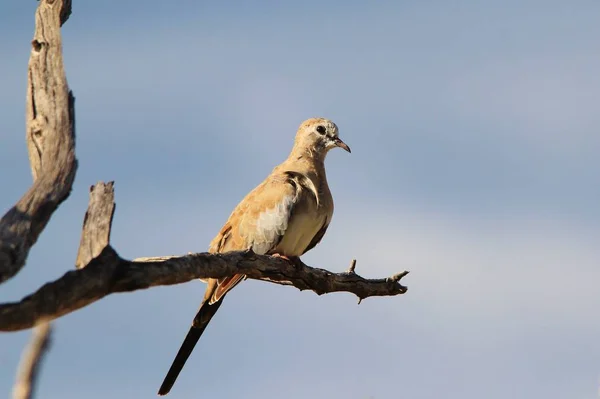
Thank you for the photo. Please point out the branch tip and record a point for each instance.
(352, 267)
(397, 277)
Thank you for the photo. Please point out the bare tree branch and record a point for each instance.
(30, 362)
(50, 136)
(97, 223)
(108, 274)
(94, 238)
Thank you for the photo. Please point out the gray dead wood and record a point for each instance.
(94, 238)
(95, 235)
(29, 367)
(50, 137)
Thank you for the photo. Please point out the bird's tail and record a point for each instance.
(205, 313)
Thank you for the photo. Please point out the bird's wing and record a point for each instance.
(258, 223)
(318, 237)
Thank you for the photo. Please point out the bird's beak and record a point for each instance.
(338, 142)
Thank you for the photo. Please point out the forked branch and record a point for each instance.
(109, 273)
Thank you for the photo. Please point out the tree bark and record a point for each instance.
(97, 223)
(50, 136)
(108, 274)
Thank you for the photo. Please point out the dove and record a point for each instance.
(286, 215)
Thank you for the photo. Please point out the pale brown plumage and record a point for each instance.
(287, 215)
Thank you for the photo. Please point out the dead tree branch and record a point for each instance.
(97, 223)
(108, 274)
(30, 362)
(50, 136)
(94, 238)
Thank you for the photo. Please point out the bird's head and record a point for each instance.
(319, 135)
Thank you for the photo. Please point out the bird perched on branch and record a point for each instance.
(286, 215)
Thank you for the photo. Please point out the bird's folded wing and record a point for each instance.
(258, 222)
(318, 237)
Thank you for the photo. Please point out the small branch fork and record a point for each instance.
(393, 279)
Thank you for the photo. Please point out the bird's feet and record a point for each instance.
(280, 256)
(294, 260)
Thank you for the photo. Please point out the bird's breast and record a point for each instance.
(305, 222)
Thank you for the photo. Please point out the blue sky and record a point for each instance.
(474, 131)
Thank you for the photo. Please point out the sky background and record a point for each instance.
(474, 129)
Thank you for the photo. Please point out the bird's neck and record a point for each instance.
(307, 154)
(309, 162)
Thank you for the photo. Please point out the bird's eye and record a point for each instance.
(320, 129)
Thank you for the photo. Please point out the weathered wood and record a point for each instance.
(95, 235)
(50, 137)
(108, 274)
(30, 362)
